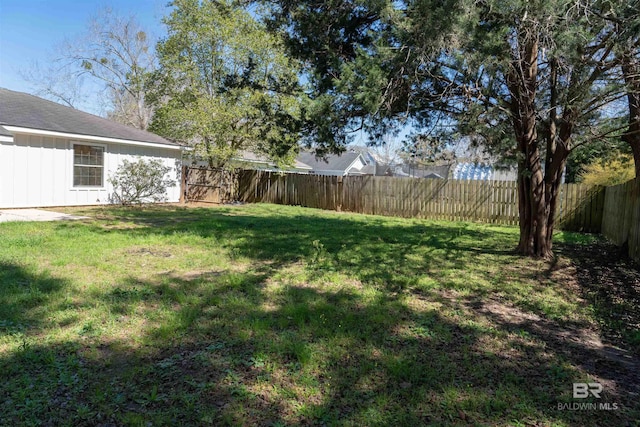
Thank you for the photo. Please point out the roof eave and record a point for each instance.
(354, 160)
(19, 129)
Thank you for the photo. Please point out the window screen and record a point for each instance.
(88, 166)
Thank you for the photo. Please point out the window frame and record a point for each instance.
(73, 165)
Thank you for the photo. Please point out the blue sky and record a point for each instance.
(29, 29)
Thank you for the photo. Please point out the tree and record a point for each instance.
(225, 84)
(57, 82)
(610, 172)
(117, 53)
(112, 58)
(631, 71)
(388, 152)
(523, 79)
(627, 23)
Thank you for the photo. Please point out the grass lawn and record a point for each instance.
(272, 315)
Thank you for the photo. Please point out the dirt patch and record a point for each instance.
(582, 345)
(604, 279)
(610, 281)
(150, 252)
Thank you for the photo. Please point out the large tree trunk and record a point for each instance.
(631, 73)
(557, 137)
(556, 161)
(532, 206)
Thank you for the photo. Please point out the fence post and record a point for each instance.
(339, 196)
(184, 185)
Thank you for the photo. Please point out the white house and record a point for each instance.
(52, 155)
(349, 163)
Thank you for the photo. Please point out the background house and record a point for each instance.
(349, 163)
(483, 172)
(249, 160)
(52, 155)
(246, 159)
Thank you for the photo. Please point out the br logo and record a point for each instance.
(583, 390)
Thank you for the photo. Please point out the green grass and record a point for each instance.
(270, 315)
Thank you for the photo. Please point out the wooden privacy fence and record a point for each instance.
(208, 185)
(580, 206)
(621, 219)
(614, 211)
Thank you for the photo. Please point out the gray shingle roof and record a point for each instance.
(24, 110)
(333, 162)
(250, 156)
(4, 132)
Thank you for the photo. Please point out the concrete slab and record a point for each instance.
(7, 215)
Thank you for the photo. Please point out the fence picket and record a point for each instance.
(580, 207)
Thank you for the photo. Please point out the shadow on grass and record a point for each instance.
(377, 252)
(610, 282)
(390, 350)
(236, 354)
(307, 357)
(22, 292)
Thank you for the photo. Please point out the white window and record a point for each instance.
(88, 166)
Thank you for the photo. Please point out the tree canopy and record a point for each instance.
(532, 81)
(225, 84)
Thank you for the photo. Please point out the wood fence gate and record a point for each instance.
(208, 185)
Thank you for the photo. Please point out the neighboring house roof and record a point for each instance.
(300, 165)
(426, 170)
(21, 110)
(368, 170)
(251, 157)
(333, 162)
(433, 176)
(384, 169)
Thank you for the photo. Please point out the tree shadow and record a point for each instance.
(241, 354)
(610, 281)
(22, 293)
(372, 249)
(231, 348)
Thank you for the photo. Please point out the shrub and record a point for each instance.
(612, 172)
(141, 181)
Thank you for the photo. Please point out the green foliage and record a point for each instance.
(141, 181)
(224, 84)
(610, 172)
(528, 81)
(594, 151)
(378, 65)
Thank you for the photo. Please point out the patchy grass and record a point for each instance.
(267, 315)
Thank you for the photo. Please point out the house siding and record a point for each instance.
(37, 171)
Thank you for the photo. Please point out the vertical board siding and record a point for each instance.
(37, 171)
(494, 202)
